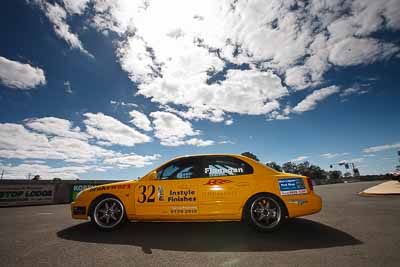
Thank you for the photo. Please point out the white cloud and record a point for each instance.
(112, 131)
(198, 113)
(19, 75)
(333, 155)
(33, 161)
(19, 143)
(226, 142)
(178, 56)
(353, 90)
(298, 77)
(78, 151)
(172, 130)
(275, 115)
(57, 127)
(58, 17)
(123, 104)
(22, 171)
(299, 158)
(140, 120)
(373, 149)
(355, 51)
(136, 59)
(355, 160)
(229, 122)
(311, 101)
(58, 141)
(15, 136)
(199, 142)
(133, 160)
(243, 91)
(172, 58)
(75, 6)
(68, 89)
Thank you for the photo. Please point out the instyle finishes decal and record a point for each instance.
(149, 193)
(182, 196)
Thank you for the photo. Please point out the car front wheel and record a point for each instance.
(265, 213)
(108, 213)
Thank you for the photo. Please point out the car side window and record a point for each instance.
(179, 169)
(225, 166)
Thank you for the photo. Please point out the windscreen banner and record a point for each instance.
(14, 195)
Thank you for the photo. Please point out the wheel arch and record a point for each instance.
(264, 193)
(100, 197)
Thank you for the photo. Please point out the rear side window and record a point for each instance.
(225, 166)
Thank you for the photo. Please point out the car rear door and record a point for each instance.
(227, 183)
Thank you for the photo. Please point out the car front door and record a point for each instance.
(173, 194)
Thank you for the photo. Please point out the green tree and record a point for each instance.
(289, 167)
(306, 169)
(315, 172)
(250, 155)
(274, 165)
(335, 175)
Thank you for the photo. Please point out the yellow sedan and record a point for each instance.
(202, 188)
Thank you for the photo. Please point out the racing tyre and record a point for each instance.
(108, 213)
(265, 213)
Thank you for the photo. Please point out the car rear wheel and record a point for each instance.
(108, 213)
(265, 213)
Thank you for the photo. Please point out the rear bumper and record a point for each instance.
(79, 211)
(302, 205)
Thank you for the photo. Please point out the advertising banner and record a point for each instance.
(12, 195)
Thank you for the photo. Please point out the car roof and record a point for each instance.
(248, 160)
(208, 155)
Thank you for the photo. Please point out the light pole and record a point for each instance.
(347, 165)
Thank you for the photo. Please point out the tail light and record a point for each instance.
(310, 185)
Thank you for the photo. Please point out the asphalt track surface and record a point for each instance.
(350, 231)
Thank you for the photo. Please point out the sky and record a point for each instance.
(110, 89)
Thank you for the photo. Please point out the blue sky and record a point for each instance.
(110, 89)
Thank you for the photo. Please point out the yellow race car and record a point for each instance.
(201, 188)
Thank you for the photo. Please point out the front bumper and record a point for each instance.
(79, 211)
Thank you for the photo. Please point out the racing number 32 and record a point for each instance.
(146, 193)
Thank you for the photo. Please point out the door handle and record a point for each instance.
(242, 184)
(184, 186)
